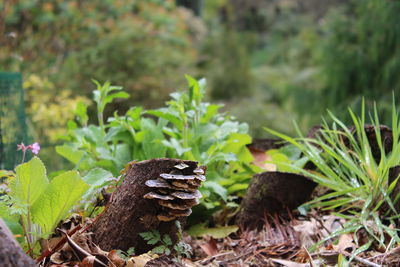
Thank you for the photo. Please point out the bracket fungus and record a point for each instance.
(177, 192)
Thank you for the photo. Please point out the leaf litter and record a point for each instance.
(283, 241)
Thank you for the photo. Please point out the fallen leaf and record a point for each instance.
(141, 260)
(116, 259)
(210, 247)
(260, 158)
(291, 263)
(346, 243)
(88, 261)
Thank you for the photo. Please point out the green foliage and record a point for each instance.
(286, 157)
(359, 55)
(360, 187)
(153, 237)
(164, 244)
(38, 203)
(186, 128)
(146, 44)
(126, 255)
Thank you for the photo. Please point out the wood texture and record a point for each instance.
(129, 214)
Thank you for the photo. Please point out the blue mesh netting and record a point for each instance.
(13, 129)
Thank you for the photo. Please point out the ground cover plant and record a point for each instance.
(186, 128)
(357, 165)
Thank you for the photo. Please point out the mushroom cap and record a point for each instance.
(174, 205)
(187, 195)
(200, 177)
(195, 182)
(179, 213)
(165, 217)
(184, 185)
(169, 176)
(181, 166)
(198, 171)
(154, 195)
(158, 183)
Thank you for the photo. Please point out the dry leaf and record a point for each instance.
(115, 259)
(291, 263)
(141, 260)
(346, 243)
(210, 247)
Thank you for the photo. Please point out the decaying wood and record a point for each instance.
(11, 254)
(265, 144)
(141, 204)
(272, 192)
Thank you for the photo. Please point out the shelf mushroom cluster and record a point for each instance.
(177, 192)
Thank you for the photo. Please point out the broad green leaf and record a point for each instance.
(97, 177)
(237, 187)
(169, 116)
(30, 181)
(217, 189)
(60, 196)
(70, 153)
(199, 230)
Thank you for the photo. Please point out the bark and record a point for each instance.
(11, 254)
(129, 214)
(265, 144)
(272, 192)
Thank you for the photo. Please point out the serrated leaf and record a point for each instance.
(159, 249)
(63, 192)
(167, 240)
(30, 182)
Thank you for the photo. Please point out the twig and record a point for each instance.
(210, 259)
(59, 244)
(359, 259)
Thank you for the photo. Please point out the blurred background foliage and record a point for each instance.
(270, 62)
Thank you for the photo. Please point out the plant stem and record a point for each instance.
(23, 156)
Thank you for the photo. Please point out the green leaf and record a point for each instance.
(81, 113)
(70, 153)
(159, 249)
(111, 97)
(217, 189)
(30, 181)
(194, 89)
(97, 177)
(53, 205)
(167, 240)
(199, 230)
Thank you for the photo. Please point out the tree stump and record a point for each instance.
(153, 195)
(272, 192)
(11, 254)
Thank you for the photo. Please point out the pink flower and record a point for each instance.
(21, 147)
(35, 147)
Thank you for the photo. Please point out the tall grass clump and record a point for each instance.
(360, 188)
